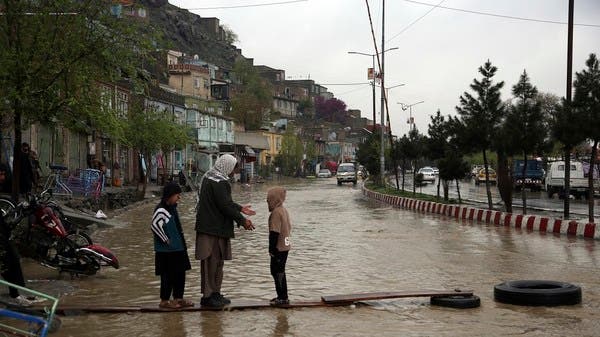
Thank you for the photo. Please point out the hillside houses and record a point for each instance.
(197, 94)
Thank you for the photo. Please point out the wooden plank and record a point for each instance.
(351, 298)
(73, 310)
(326, 301)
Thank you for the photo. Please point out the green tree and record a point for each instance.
(566, 125)
(525, 124)
(149, 130)
(253, 99)
(290, 155)
(437, 142)
(52, 55)
(415, 150)
(368, 154)
(306, 108)
(587, 102)
(404, 155)
(481, 116)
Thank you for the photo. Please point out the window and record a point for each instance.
(212, 122)
(106, 98)
(196, 82)
(220, 124)
(229, 126)
(122, 104)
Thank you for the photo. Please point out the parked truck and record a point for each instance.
(534, 174)
(555, 180)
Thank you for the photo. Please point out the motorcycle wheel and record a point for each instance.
(80, 239)
(6, 206)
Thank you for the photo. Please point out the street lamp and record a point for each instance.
(374, 75)
(409, 107)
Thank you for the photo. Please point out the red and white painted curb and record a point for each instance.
(498, 218)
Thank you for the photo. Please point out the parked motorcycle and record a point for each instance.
(40, 234)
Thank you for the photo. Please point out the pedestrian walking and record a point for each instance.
(171, 257)
(215, 214)
(280, 228)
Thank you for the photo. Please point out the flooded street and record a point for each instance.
(342, 243)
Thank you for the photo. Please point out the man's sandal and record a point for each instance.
(169, 305)
(184, 303)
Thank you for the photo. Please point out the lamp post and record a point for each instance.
(409, 107)
(374, 76)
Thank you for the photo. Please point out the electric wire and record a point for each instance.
(415, 21)
(246, 6)
(500, 15)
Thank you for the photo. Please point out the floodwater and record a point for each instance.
(343, 243)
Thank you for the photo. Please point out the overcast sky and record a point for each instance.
(437, 57)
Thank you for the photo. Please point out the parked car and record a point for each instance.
(480, 177)
(428, 173)
(475, 170)
(324, 173)
(346, 173)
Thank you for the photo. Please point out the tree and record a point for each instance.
(150, 130)
(525, 124)
(403, 153)
(290, 156)
(53, 55)
(437, 142)
(332, 110)
(566, 125)
(481, 116)
(253, 99)
(587, 102)
(368, 154)
(306, 108)
(415, 150)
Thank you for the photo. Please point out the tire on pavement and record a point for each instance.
(459, 302)
(537, 293)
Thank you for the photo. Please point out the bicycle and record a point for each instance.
(55, 183)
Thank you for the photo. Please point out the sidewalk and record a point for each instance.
(487, 216)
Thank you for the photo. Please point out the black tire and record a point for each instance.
(80, 238)
(459, 302)
(537, 293)
(339, 183)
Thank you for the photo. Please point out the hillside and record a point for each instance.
(185, 32)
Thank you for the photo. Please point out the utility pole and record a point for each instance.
(566, 210)
(382, 154)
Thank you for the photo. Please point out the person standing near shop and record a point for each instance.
(216, 213)
(26, 176)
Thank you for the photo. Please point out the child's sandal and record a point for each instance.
(169, 305)
(184, 303)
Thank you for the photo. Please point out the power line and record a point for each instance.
(500, 15)
(246, 6)
(357, 83)
(412, 23)
(353, 90)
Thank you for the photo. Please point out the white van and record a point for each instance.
(555, 179)
(346, 172)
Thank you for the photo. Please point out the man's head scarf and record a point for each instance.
(221, 170)
(225, 164)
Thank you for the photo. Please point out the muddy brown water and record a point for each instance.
(342, 244)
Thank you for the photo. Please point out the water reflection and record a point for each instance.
(282, 327)
(344, 244)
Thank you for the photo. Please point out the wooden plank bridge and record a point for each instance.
(326, 301)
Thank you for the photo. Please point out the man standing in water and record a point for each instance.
(216, 212)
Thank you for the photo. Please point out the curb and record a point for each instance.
(486, 216)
